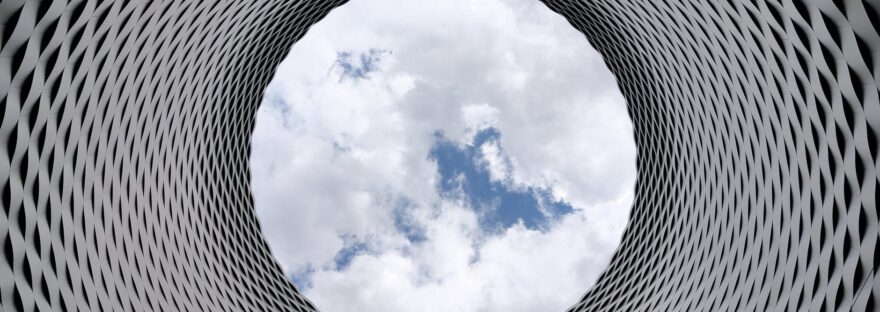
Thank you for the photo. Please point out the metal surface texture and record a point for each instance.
(125, 127)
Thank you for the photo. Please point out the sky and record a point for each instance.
(443, 155)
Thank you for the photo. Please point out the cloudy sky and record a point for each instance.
(443, 155)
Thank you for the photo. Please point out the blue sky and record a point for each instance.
(499, 205)
(462, 175)
(358, 65)
(442, 155)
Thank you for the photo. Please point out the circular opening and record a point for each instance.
(443, 155)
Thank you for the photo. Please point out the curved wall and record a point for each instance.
(757, 126)
(126, 127)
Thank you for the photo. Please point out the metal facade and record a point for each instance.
(125, 129)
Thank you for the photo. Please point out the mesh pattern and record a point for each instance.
(757, 128)
(125, 128)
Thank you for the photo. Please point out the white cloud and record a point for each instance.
(334, 158)
(521, 270)
(479, 116)
(494, 161)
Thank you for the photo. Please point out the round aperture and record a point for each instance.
(443, 155)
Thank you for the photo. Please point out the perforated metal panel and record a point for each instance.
(125, 128)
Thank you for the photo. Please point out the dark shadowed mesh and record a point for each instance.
(125, 130)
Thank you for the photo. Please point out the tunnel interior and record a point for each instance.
(126, 128)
